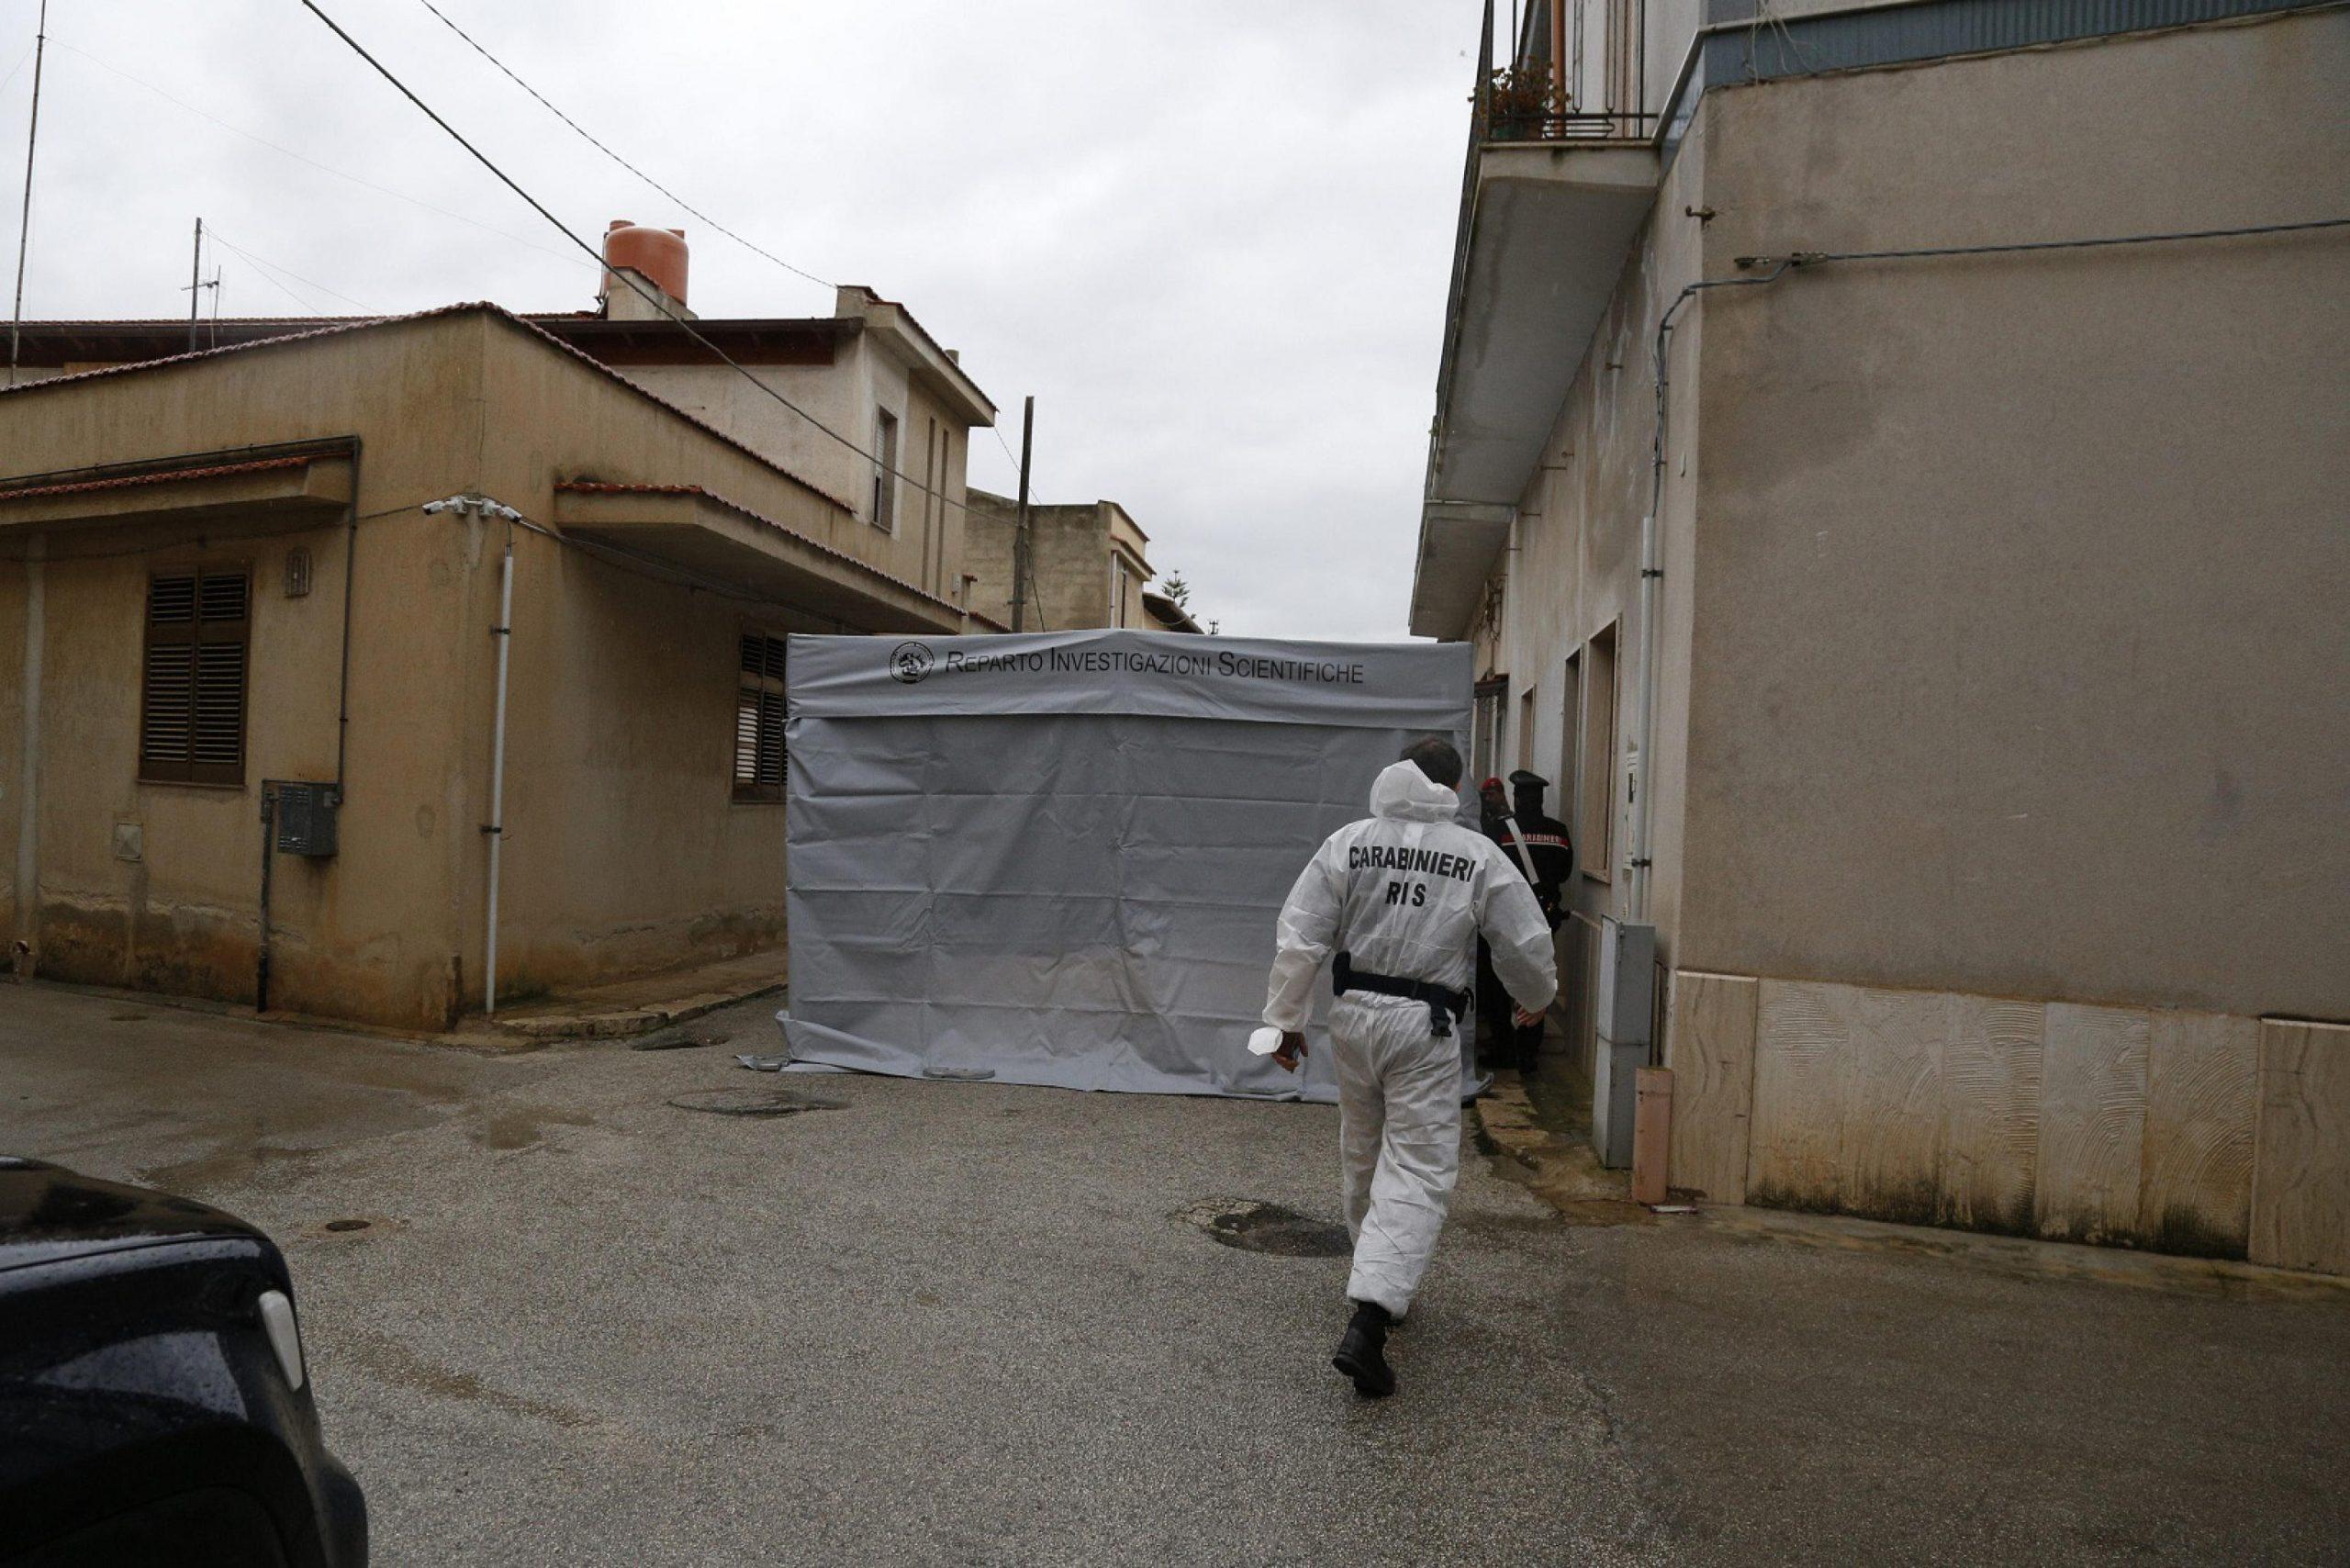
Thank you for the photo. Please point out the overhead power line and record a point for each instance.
(589, 138)
(650, 296)
(18, 66)
(269, 267)
(303, 158)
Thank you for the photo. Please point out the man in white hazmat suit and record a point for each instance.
(1397, 901)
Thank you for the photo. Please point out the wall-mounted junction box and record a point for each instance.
(306, 817)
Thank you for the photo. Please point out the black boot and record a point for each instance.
(1363, 1351)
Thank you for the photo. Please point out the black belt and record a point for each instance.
(1444, 1005)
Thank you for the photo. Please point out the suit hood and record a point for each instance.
(1402, 790)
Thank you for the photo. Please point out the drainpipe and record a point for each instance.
(1652, 572)
(1644, 766)
(494, 829)
(28, 764)
(350, 559)
(268, 860)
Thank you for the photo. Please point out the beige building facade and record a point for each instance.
(1087, 565)
(1948, 661)
(219, 582)
(870, 372)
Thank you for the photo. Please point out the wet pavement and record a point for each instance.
(591, 1303)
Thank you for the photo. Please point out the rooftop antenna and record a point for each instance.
(25, 217)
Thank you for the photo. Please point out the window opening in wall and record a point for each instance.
(1484, 737)
(1596, 763)
(192, 700)
(760, 765)
(885, 470)
(931, 507)
(1525, 729)
(948, 520)
(1569, 737)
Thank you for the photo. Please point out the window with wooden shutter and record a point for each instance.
(760, 765)
(192, 708)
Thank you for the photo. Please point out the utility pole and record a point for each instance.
(1020, 532)
(25, 217)
(194, 283)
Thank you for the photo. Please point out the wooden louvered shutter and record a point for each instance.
(747, 723)
(759, 762)
(773, 762)
(192, 714)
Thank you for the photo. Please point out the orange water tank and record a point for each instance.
(658, 254)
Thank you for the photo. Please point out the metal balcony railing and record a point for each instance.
(1524, 98)
(1567, 124)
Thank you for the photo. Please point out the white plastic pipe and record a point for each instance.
(504, 632)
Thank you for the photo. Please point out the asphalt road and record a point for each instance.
(972, 1324)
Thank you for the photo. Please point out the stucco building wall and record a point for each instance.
(2026, 670)
(624, 848)
(925, 542)
(1074, 547)
(1572, 573)
(182, 916)
(2004, 702)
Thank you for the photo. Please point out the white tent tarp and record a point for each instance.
(1056, 858)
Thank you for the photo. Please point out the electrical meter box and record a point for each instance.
(1626, 1024)
(305, 818)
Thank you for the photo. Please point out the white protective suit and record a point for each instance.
(1405, 893)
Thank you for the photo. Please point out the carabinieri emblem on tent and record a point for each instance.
(908, 662)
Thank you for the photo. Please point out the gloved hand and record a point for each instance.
(1292, 1049)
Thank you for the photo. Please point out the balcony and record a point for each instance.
(695, 537)
(1551, 204)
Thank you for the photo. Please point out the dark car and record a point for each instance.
(154, 1407)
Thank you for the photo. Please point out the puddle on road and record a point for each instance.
(228, 1165)
(524, 1125)
(1254, 1226)
(753, 1103)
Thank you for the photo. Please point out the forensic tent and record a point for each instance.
(1056, 858)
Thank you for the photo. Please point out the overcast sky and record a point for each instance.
(1212, 238)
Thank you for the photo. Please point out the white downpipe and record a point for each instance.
(1644, 776)
(504, 632)
(494, 829)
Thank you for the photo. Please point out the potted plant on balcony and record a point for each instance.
(1523, 102)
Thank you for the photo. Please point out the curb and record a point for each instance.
(628, 1021)
(1560, 1170)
